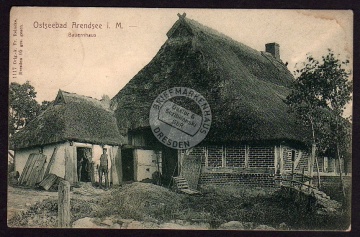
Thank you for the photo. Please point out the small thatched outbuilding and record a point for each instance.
(72, 129)
(252, 135)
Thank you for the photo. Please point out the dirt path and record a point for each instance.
(20, 199)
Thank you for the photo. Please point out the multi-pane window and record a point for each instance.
(241, 156)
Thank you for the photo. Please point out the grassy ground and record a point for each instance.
(217, 205)
(37, 208)
(261, 206)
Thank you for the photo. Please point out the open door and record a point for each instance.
(127, 161)
(84, 164)
(169, 164)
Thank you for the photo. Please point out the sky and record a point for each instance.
(102, 65)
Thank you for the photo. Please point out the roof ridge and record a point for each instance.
(85, 96)
(213, 32)
(88, 99)
(272, 59)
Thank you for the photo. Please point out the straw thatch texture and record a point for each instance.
(244, 87)
(75, 120)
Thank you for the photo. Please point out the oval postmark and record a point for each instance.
(178, 127)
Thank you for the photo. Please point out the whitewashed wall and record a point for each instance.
(145, 164)
(97, 150)
(58, 168)
(21, 157)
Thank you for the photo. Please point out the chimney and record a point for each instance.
(274, 49)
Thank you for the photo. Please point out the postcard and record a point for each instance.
(201, 119)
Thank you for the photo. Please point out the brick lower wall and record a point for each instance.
(231, 161)
(235, 156)
(196, 152)
(255, 180)
(215, 155)
(261, 156)
(232, 157)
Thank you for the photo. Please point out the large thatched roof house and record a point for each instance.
(74, 127)
(252, 135)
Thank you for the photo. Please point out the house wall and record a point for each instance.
(58, 168)
(254, 165)
(66, 156)
(333, 167)
(21, 157)
(145, 164)
(197, 151)
(235, 156)
(222, 164)
(261, 156)
(299, 166)
(97, 151)
(191, 163)
(249, 179)
(327, 166)
(113, 170)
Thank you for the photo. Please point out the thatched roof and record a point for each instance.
(244, 87)
(71, 117)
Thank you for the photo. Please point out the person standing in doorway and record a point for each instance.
(79, 168)
(103, 169)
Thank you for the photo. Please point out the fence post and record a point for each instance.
(64, 204)
(303, 174)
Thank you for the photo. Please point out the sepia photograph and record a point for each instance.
(180, 118)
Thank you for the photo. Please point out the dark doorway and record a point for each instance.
(127, 160)
(84, 158)
(169, 164)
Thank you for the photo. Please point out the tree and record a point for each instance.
(336, 91)
(305, 102)
(45, 104)
(320, 93)
(22, 105)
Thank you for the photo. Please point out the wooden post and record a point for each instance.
(114, 173)
(158, 181)
(223, 155)
(281, 153)
(303, 173)
(206, 157)
(64, 204)
(247, 151)
(292, 164)
(68, 167)
(119, 165)
(275, 159)
(312, 160)
(135, 155)
(74, 162)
